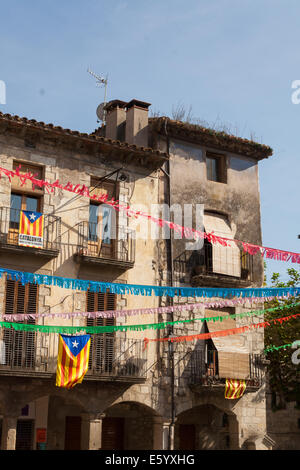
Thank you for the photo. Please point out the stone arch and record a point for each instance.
(64, 413)
(249, 444)
(129, 425)
(206, 399)
(206, 427)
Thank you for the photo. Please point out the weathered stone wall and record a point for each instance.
(239, 198)
(284, 425)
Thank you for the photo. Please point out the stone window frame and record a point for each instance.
(221, 160)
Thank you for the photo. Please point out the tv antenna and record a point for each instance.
(100, 81)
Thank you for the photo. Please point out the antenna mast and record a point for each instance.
(101, 81)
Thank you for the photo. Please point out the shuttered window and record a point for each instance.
(233, 354)
(102, 345)
(73, 433)
(20, 345)
(113, 433)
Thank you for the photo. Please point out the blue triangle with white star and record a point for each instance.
(76, 343)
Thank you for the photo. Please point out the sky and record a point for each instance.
(233, 62)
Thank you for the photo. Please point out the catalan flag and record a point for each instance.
(234, 388)
(72, 360)
(31, 229)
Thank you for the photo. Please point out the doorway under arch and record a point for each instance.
(206, 427)
(128, 426)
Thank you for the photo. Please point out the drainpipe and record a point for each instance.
(171, 302)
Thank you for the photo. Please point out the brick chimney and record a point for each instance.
(137, 123)
(115, 120)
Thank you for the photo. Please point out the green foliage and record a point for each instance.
(284, 376)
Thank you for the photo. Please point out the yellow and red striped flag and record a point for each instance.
(234, 388)
(72, 360)
(31, 229)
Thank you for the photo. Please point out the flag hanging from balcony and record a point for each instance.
(72, 360)
(31, 229)
(234, 388)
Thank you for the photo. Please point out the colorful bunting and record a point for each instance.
(276, 348)
(145, 290)
(139, 311)
(270, 253)
(141, 327)
(215, 334)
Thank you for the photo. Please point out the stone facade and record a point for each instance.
(160, 408)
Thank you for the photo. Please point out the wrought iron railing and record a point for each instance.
(203, 368)
(119, 247)
(9, 229)
(230, 264)
(36, 352)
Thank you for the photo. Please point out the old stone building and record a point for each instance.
(166, 395)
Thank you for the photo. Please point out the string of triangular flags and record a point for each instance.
(139, 327)
(188, 232)
(147, 290)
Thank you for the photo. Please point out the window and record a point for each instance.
(20, 345)
(19, 202)
(100, 223)
(102, 220)
(35, 170)
(216, 167)
(225, 260)
(23, 198)
(102, 346)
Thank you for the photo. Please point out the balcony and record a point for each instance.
(214, 266)
(203, 371)
(34, 354)
(118, 251)
(50, 242)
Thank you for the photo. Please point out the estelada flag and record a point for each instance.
(234, 388)
(31, 229)
(72, 360)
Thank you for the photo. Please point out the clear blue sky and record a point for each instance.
(234, 61)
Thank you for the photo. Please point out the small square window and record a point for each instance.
(215, 168)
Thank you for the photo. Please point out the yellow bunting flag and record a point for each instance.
(234, 388)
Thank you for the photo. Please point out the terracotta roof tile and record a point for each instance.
(210, 137)
(32, 123)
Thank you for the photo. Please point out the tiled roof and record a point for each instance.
(210, 137)
(32, 124)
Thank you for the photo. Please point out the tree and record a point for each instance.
(284, 376)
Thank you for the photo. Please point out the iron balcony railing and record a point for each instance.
(203, 369)
(36, 353)
(9, 230)
(230, 264)
(118, 247)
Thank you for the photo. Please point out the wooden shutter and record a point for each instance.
(225, 260)
(73, 433)
(112, 434)
(102, 345)
(20, 345)
(233, 356)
